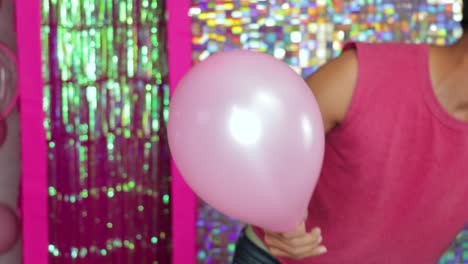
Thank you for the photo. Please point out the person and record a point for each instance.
(394, 182)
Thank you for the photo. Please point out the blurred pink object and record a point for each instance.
(9, 228)
(8, 87)
(246, 133)
(3, 131)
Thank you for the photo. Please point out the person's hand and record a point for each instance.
(296, 244)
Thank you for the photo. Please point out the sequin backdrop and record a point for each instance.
(305, 34)
(106, 100)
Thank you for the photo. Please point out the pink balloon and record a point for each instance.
(247, 136)
(9, 228)
(8, 87)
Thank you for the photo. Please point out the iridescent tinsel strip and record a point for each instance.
(106, 101)
(458, 252)
(305, 34)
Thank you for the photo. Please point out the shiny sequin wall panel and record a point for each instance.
(305, 34)
(106, 103)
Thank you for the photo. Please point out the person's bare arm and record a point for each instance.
(333, 87)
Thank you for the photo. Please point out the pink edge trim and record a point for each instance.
(33, 140)
(183, 200)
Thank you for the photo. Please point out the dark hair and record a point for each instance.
(464, 22)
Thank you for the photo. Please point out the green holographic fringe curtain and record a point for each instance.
(106, 103)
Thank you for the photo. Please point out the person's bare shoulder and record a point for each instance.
(333, 86)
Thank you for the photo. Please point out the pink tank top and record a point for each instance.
(394, 184)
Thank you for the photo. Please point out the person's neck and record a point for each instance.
(452, 82)
(460, 49)
(460, 90)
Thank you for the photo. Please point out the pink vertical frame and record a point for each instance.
(183, 200)
(33, 140)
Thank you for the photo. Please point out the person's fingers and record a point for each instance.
(316, 233)
(278, 252)
(319, 251)
(311, 251)
(293, 245)
(297, 232)
(299, 253)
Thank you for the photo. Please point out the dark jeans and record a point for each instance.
(249, 253)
